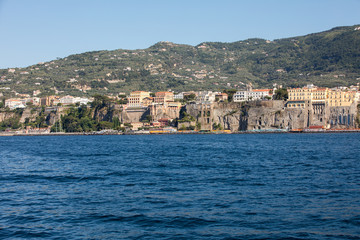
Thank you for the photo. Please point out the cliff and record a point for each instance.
(271, 115)
(255, 115)
(6, 115)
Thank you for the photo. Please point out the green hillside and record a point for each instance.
(329, 58)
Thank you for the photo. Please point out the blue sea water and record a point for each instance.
(259, 186)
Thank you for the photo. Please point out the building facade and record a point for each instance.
(335, 97)
(252, 95)
(163, 97)
(136, 98)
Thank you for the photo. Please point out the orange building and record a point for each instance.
(163, 97)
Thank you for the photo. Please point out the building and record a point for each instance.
(22, 95)
(36, 92)
(308, 93)
(136, 125)
(204, 97)
(67, 100)
(14, 103)
(221, 97)
(164, 121)
(136, 99)
(336, 97)
(252, 95)
(82, 101)
(163, 97)
(339, 98)
(148, 101)
(49, 100)
(179, 96)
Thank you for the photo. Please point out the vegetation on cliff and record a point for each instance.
(13, 121)
(87, 119)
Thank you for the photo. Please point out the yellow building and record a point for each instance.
(136, 98)
(306, 94)
(339, 98)
(299, 94)
(147, 101)
(333, 97)
(319, 94)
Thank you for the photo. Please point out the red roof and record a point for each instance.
(261, 90)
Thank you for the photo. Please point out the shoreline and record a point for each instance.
(3, 134)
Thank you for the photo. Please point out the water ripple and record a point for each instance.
(267, 186)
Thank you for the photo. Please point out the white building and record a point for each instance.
(206, 96)
(82, 101)
(252, 95)
(67, 100)
(14, 103)
(179, 96)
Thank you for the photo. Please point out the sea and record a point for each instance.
(204, 186)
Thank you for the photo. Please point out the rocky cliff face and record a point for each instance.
(160, 111)
(30, 114)
(343, 117)
(257, 115)
(133, 115)
(115, 110)
(271, 115)
(247, 116)
(6, 115)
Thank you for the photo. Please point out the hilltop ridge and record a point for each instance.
(329, 58)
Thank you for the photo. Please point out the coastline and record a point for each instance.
(10, 134)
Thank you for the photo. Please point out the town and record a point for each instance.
(279, 109)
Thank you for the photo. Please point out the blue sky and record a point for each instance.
(35, 31)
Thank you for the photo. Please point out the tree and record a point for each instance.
(100, 101)
(190, 97)
(123, 101)
(281, 94)
(230, 93)
(104, 125)
(267, 97)
(116, 122)
(217, 126)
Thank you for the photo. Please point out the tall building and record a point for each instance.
(136, 98)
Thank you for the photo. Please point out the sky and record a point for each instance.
(33, 31)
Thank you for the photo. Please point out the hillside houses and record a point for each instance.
(144, 109)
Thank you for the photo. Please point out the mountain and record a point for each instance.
(329, 58)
